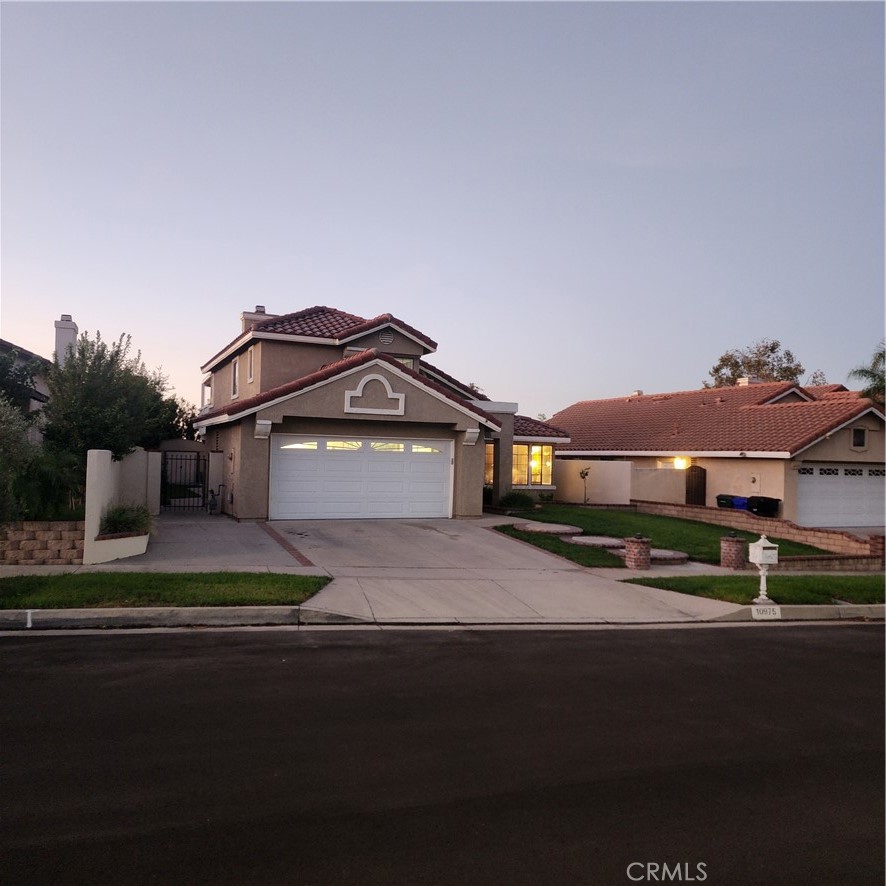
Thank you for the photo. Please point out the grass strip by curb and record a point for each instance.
(88, 590)
(786, 590)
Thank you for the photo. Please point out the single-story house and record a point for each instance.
(324, 414)
(818, 451)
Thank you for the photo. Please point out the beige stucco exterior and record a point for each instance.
(653, 478)
(364, 402)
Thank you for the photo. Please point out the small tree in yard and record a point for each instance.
(105, 398)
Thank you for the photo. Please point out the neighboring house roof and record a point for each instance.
(326, 325)
(534, 428)
(25, 356)
(776, 419)
(237, 409)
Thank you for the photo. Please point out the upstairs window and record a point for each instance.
(250, 364)
(235, 377)
(859, 438)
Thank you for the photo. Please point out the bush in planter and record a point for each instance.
(126, 518)
(517, 501)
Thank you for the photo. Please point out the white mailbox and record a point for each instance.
(763, 552)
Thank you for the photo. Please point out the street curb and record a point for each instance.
(294, 616)
(829, 612)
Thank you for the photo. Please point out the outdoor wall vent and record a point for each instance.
(386, 337)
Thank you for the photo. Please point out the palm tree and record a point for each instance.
(873, 376)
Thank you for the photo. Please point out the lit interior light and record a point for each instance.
(681, 463)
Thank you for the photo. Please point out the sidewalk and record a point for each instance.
(390, 573)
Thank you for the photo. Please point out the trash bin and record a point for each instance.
(739, 502)
(763, 506)
(724, 501)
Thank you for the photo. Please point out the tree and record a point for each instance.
(17, 382)
(104, 398)
(763, 359)
(15, 455)
(872, 375)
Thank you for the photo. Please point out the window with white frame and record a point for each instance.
(250, 364)
(235, 377)
(532, 464)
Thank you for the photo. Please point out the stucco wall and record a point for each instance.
(608, 482)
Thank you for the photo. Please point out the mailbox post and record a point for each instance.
(764, 554)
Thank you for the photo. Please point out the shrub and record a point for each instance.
(127, 518)
(517, 500)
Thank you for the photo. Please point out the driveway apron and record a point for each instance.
(463, 572)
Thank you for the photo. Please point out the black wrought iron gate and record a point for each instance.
(183, 481)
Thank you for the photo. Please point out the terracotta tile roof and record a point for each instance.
(236, 408)
(532, 427)
(317, 322)
(733, 419)
(323, 322)
(453, 382)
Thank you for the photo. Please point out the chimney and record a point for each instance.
(746, 380)
(248, 319)
(65, 338)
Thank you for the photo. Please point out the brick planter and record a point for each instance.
(42, 543)
(733, 552)
(637, 553)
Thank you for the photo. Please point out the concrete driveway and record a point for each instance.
(414, 572)
(462, 572)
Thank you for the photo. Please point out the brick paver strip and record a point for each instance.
(290, 549)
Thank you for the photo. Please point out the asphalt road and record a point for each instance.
(737, 755)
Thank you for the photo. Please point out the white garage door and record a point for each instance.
(840, 495)
(353, 477)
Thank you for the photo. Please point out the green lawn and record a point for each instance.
(580, 554)
(782, 589)
(87, 590)
(701, 541)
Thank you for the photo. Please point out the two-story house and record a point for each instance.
(324, 414)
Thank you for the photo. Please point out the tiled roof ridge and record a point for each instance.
(381, 319)
(279, 319)
(478, 395)
(714, 392)
(537, 423)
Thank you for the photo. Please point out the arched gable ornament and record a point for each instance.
(352, 398)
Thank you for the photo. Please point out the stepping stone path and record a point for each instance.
(548, 528)
(659, 555)
(614, 545)
(596, 541)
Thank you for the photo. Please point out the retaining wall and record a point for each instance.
(42, 543)
(832, 540)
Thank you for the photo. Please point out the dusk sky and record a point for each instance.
(575, 200)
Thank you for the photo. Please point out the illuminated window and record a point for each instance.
(343, 445)
(388, 447)
(489, 470)
(420, 447)
(532, 465)
(305, 444)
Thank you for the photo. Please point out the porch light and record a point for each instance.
(681, 463)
